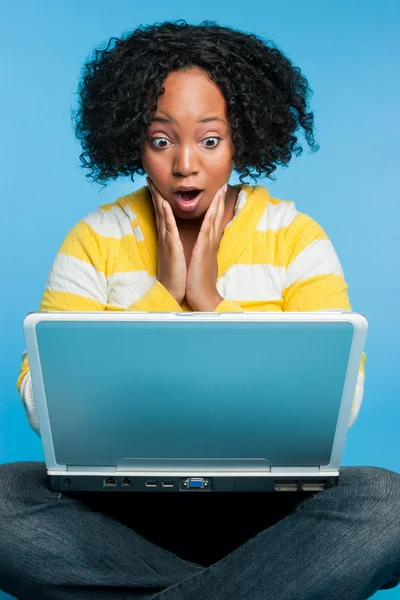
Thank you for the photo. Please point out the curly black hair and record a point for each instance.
(266, 96)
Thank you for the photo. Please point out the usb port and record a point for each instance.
(168, 484)
(151, 483)
(314, 486)
(286, 486)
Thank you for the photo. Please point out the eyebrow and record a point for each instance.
(171, 120)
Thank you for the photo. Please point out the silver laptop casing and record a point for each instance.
(136, 401)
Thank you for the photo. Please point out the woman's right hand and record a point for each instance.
(171, 263)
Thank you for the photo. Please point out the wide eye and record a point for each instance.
(212, 138)
(159, 138)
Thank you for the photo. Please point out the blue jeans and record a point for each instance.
(339, 544)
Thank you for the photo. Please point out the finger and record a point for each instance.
(217, 209)
(158, 200)
(171, 228)
(153, 199)
(219, 197)
(219, 217)
(205, 229)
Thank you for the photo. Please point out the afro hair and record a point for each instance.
(266, 96)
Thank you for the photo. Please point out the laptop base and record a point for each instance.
(121, 483)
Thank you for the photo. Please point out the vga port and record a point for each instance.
(193, 483)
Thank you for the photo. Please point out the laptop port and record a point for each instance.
(286, 486)
(151, 483)
(314, 486)
(168, 484)
(126, 482)
(195, 483)
(109, 482)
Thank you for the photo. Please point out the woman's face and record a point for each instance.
(189, 142)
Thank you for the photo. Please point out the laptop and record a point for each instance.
(193, 402)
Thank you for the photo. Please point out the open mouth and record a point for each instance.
(187, 196)
(188, 201)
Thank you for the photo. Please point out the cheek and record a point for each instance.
(220, 167)
(153, 166)
(147, 161)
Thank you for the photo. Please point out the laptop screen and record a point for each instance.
(193, 390)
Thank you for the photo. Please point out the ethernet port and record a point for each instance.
(109, 482)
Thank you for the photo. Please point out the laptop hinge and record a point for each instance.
(294, 469)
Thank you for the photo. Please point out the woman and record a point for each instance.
(186, 105)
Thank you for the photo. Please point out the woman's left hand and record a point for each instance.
(201, 290)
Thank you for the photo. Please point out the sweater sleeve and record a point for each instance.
(314, 281)
(78, 282)
(228, 306)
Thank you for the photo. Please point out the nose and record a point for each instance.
(185, 161)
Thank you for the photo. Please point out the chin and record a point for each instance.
(196, 215)
(184, 216)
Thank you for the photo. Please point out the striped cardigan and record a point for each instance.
(271, 258)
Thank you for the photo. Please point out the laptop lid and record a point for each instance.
(232, 392)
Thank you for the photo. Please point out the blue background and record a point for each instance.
(349, 51)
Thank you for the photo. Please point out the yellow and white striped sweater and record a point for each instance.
(271, 258)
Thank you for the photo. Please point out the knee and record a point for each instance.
(373, 496)
(370, 494)
(23, 483)
(375, 482)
